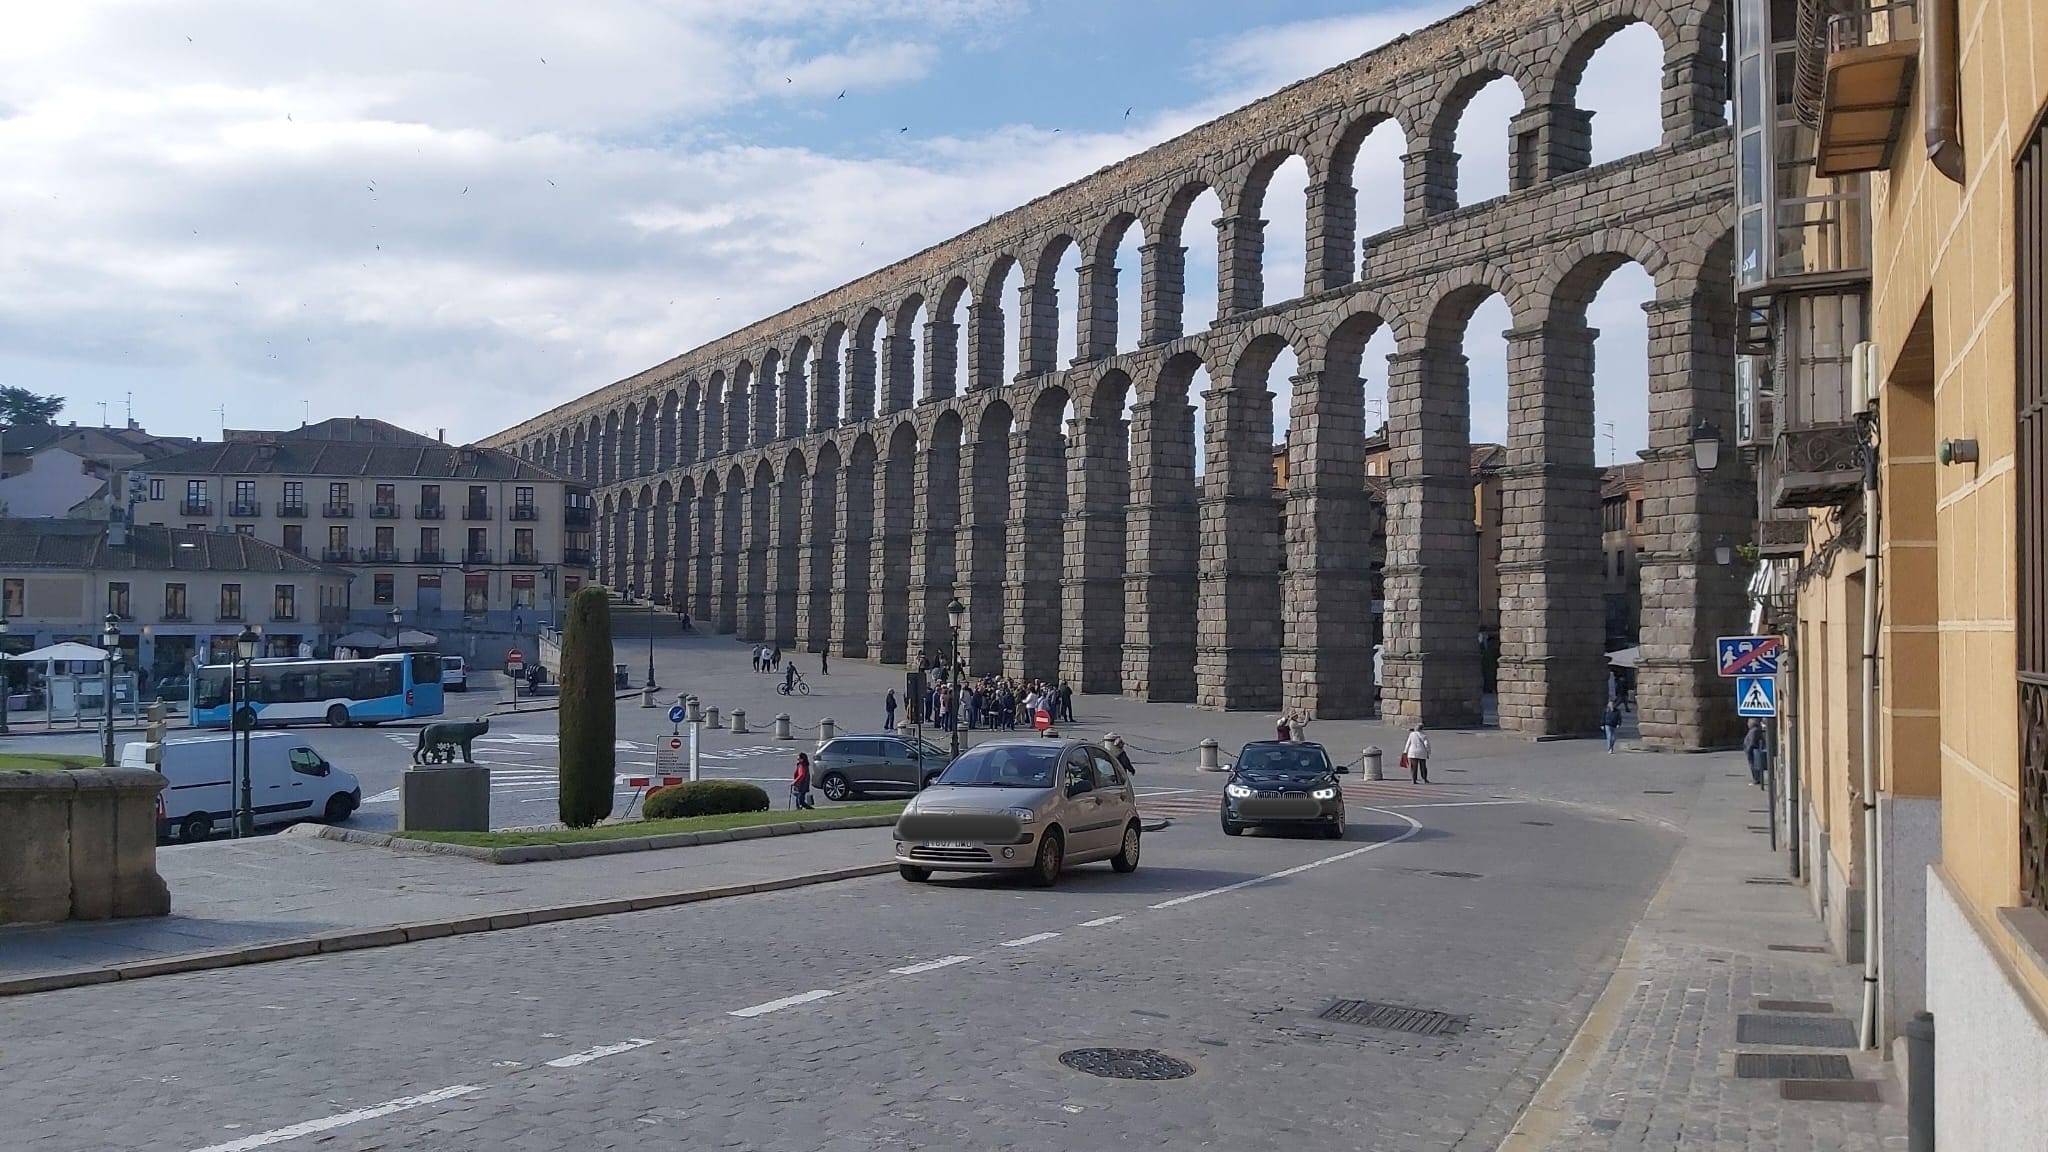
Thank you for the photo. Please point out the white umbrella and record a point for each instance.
(1624, 657)
(70, 650)
(363, 639)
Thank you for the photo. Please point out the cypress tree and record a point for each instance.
(587, 726)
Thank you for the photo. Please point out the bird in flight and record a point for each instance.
(1127, 112)
(903, 129)
(842, 94)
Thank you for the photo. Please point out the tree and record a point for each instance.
(587, 725)
(20, 407)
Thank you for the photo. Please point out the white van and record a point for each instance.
(454, 674)
(289, 781)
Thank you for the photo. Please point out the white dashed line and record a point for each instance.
(1099, 921)
(1456, 804)
(340, 1120)
(1032, 939)
(930, 965)
(785, 1002)
(1414, 826)
(598, 1053)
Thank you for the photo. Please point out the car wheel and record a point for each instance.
(1335, 829)
(913, 873)
(194, 829)
(1052, 852)
(337, 716)
(835, 786)
(1231, 827)
(339, 808)
(930, 779)
(1126, 859)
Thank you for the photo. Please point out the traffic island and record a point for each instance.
(79, 844)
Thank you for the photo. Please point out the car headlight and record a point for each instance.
(1236, 791)
(1023, 815)
(1324, 793)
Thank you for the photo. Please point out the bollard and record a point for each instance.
(827, 730)
(1208, 762)
(739, 721)
(1919, 1033)
(711, 717)
(647, 696)
(1372, 763)
(782, 727)
(696, 710)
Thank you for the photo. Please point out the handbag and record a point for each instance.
(1404, 760)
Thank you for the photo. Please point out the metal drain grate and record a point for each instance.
(1832, 1091)
(1758, 827)
(1457, 875)
(1795, 1031)
(1767, 880)
(1810, 949)
(1394, 1018)
(1792, 1066)
(1657, 792)
(1126, 1063)
(1794, 1006)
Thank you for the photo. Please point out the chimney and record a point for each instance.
(441, 435)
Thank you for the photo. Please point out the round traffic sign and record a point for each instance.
(676, 714)
(1041, 720)
(514, 656)
(675, 743)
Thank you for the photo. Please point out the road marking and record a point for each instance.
(1414, 826)
(1031, 939)
(340, 1120)
(785, 1002)
(1457, 804)
(930, 965)
(598, 1053)
(1099, 921)
(1169, 792)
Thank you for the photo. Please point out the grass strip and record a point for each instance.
(634, 828)
(45, 762)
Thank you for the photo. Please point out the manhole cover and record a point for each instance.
(1799, 1031)
(1834, 1091)
(1794, 1006)
(1394, 1018)
(1126, 1063)
(1792, 1066)
(1457, 875)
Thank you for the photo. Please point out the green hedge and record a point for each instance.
(704, 798)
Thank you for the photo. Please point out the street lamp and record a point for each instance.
(650, 651)
(1706, 445)
(6, 678)
(110, 639)
(243, 718)
(396, 616)
(956, 613)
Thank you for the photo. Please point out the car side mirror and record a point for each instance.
(1342, 770)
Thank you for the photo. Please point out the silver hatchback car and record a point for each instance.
(1023, 805)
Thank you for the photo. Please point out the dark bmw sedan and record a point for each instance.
(1276, 784)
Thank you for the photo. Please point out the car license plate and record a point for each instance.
(948, 844)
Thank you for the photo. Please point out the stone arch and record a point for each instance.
(714, 415)
(891, 470)
(766, 397)
(1440, 124)
(1041, 320)
(984, 524)
(1576, 274)
(1101, 321)
(665, 436)
(860, 366)
(794, 420)
(1036, 541)
(758, 535)
(988, 331)
(739, 406)
(1334, 255)
(1461, 291)
(825, 381)
(661, 544)
(783, 565)
(900, 362)
(608, 454)
(1557, 80)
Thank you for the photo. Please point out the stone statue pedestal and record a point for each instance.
(445, 798)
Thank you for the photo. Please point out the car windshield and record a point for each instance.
(1004, 766)
(1284, 759)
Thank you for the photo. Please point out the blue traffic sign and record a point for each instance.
(676, 714)
(1756, 696)
(1748, 655)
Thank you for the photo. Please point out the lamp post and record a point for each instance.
(6, 678)
(396, 617)
(243, 718)
(650, 650)
(110, 638)
(955, 613)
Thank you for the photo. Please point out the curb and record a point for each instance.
(358, 939)
(533, 853)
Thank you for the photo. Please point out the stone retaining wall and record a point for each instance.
(79, 845)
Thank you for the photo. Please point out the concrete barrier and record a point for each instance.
(79, 845)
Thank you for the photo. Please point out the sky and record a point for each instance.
(455, 215)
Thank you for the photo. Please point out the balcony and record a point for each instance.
(341, 511)
(177, 616)
(245, 509)
(428, 556)
(291, 511)
(430, 511)
(228, 616)
(384, 512)
(523, 556)
(1819, 466)
(576, 557)
(476, 512)
(1781, 539)
(576, 516)
(380, 556)
(284, 615)
(476, 556)
(195, 508)
(1867, 90)
(341, 555)
(525, 512)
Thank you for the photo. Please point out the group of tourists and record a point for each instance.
(993, 702)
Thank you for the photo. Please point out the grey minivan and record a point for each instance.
(865, 764)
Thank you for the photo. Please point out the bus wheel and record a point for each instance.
(337, 716)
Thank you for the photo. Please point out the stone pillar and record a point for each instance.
(731, 540)
(853, 560)
(941, 359)
(1031, 579)
(824, 394)
(899, 373)
(755, 535)
(681, 546)
(1162, 546)
(1429, 184)
(936, 503)
(736, 408)
(1695, 91)
(795, 400)
(1165, 277)
(889, 585)
(1237, 627)
(980, 549)
(783, 570)
(860, 383)
(1038, 311)
(1546, 141)
(984, 346)
(705, 559)
(1431, 655)
(763, 426)
(1332, 236)
(1095, 326)
(1240, 265)
(1688, 599)
(1326, 657)
(637, 562)
(1098, 498)
(814, 568)
(658, 552)
(1552, 681)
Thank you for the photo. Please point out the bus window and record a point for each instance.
(211, 690)
(337, 682)
(294, 687)
(426, 668)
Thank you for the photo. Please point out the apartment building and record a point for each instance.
(1621, 568)
(450, 537)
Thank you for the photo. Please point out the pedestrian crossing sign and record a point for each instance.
(1756, 696)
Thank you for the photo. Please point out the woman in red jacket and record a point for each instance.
(800, 784)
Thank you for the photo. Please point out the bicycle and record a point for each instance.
(798, 688)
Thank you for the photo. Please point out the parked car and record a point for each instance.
(289, 781)
(1032, 806)
(174, 689)
(1283, 784)
(454, 674)
(863, 764)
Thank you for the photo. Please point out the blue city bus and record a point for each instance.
(401, 686)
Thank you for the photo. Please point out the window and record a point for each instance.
(245, 529)
(337, 492)
(156, 489)
(295, 493)
(1108, 773)
(387, 539)
(522, 544)
(2030, 380)
(231, 601)
(1079, 772)
(11, 598)
(295, 538)
(174, 602)
(478, 541)
(522, 497)
(305, 761)
(195, 491)
(1639, 511)
(476, 593)
(522, 590)
(117, 598)
(430, 495)
(382, 589)
(337, 536)
(245, 491)
(571, 582)
(387, 493)
(478, 495)
(284, 602)
(430, 540)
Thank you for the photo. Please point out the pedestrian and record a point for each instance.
(1757, 749)
(800, 784)
(824, 663)
(1416, 755)
(889, 711)
(1284, 728)
(1115, 744)
(1301, 727)
(775, 661)
(1066, 702)
(1610, 724)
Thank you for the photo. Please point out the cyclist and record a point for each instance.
(789, 678)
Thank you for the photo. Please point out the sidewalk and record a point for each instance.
(1653, 1067)
(292, 887)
